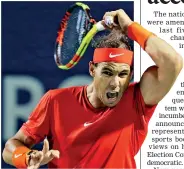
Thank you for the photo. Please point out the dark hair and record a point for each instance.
(115, 39)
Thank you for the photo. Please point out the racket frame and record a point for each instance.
(92, 28)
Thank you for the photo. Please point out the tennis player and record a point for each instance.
(104, 124)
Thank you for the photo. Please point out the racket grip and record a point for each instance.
(108, 20)
(100, 26)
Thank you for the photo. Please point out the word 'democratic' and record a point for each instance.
(165, 1)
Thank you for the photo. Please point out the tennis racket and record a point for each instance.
(76, 30)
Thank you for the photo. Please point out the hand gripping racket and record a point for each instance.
(76, 30)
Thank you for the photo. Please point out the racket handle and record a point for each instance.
(100, 27)
(108, 20)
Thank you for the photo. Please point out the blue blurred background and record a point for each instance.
(28, 69)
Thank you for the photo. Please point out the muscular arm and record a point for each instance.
(157, 80)
(20, 139)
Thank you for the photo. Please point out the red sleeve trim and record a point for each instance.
(25, 130)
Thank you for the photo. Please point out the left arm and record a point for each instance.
(156, 80)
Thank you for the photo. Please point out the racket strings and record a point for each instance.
(72, 35)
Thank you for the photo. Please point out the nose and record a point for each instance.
(114, 83)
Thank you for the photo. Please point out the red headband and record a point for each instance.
(119, 55)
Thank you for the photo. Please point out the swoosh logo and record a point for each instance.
(87, 124)
(113, 56)
(17, 155)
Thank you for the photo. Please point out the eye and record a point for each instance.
(123, 74)
(107, 73)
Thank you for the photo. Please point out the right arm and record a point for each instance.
(36, 158)
(19, 139)
(33, 131)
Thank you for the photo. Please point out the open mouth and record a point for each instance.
(112, 95)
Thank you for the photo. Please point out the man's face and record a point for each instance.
(110, 81)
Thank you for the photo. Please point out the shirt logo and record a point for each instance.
(17, 155)
(113, 56)
(87, 124)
